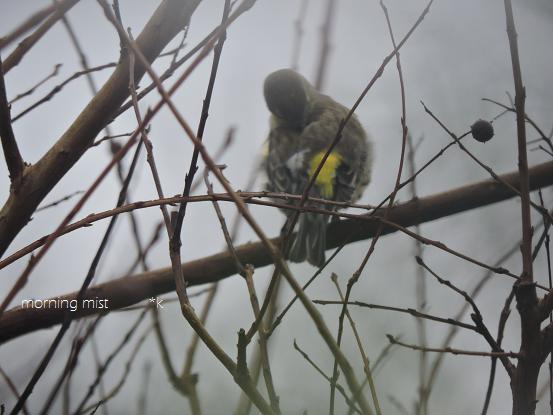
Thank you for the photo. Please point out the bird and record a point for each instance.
(303, 125)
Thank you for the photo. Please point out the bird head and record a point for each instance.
(287, 95)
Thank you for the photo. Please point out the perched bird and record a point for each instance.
(303, 125)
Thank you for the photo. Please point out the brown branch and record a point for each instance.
(144, 91)
(393, 340)
(26, 44)
(248, 197)
(420, 290)
(376, 76)
(105, 365)
(32, 89)
(111, 137)
(477, 161)
(9, 145)
(29, 23)
(238, 371)
(411, 311)
(366, 364)
(298, 32)
(543, 136)
(263, 348)
(175, 237)
(339, 387)
(19, 321)
(476, 317)
(12, 387)
(85, 284)
(72, 359)
(484, 280)
(125, 375)
(54, 91)
(167, 20)
(520, 98)
(505, 313)
(58, 201)
(357, 273)
(524, 382)
(326, 29)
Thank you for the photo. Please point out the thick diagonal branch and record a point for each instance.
(127, 291)
(170, 17)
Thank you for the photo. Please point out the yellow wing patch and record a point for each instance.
(325, 178)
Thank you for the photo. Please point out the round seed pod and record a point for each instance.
(482, 130)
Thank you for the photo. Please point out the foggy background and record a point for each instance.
(458, 55)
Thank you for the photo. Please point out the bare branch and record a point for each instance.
(32, 89)
(526, 377)
(326, 31)
(394, 340)
(59, 87)
(20, 321)
(26, 44)
(166, 21)
(339, 387)
(9, 145)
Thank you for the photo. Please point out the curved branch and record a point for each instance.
(127, 291)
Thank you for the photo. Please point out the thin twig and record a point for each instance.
(298, 31)
(59, 87)
(125, 375)
(72, 359)
(91, 271)
(421, 291)
(115, 352)
(273, 397)
(480, 163)
(26, 44)
(38, 84)
(356, 275)
(61, 200)
(142, 407)
(543, 136)
(339, 388)
(436, 365)
(29, 23)
(291, 222)
(476, 317)
(450, 350)
(505, 312)
(411, 311)
(175, 242)
(13, 388)
(364, 357)
(186, 309)
(326, 32)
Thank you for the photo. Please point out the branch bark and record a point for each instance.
(524, 382)
(26, 44)
(127, 291)
(169, 18)
(9, 145)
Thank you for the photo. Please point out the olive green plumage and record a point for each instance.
(303, 124)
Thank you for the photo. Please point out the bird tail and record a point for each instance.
(310, 242)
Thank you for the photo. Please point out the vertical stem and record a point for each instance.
(524, 380)
(326, 29)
